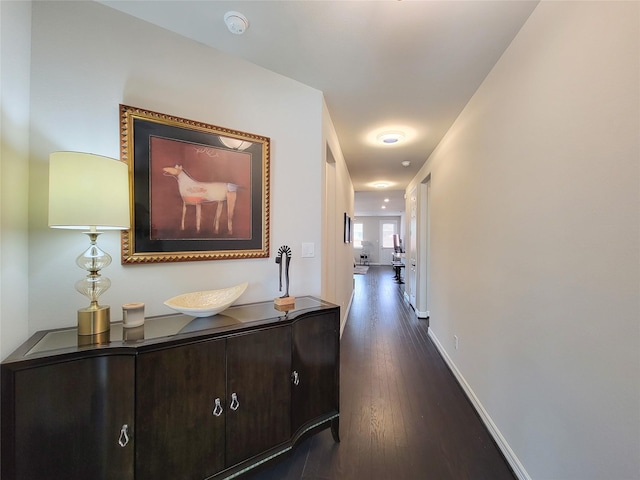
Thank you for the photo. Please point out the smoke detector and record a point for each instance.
(236, 22)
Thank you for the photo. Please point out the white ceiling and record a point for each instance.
(382, 65)
(374, 203)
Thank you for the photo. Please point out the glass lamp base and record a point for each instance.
(94, 320)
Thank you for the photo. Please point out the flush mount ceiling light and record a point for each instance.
(390, 138)
(391, 135)
(406, 163)
(236, 22)
(381, 184)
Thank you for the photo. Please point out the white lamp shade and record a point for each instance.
(87, 190)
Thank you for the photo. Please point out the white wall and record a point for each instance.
(337, 282)
(535, 243)
(15, 44)
(88, 58)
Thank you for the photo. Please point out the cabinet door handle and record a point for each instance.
(124, 437)
(217, 409)
(295, 378)
(234, 401)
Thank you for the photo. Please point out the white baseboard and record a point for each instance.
(418, 312)
(511, 457)
(343, 320)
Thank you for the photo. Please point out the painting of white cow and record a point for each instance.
(194, 192)
(197, 191)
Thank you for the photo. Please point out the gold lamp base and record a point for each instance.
(94, 320)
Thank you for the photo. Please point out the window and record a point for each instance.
(388, 230)
(357, 235)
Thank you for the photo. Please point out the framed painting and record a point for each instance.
(198, 191)
(347, 228)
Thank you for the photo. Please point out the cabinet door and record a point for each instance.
(178, 436)
(68, 419)
(316, 350)
(258, 373)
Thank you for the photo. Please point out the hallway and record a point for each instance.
(402, 413)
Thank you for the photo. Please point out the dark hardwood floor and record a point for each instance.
(402, 413)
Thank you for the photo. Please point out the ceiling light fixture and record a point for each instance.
(390, 138)
(386, 200)
(406, 163)
(381, 185)
(390, 135)
(236, 22)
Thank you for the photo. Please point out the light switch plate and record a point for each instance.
(308, 250)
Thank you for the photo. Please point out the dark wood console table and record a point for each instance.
(179, 398)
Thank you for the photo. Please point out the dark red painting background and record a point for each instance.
(205, 164)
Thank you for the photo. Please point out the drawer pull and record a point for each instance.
(295, 378)
(234, 402)
(124, 437)
(217, 409)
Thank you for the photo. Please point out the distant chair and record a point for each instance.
(397, 244)
(364, 253)
(397, 258)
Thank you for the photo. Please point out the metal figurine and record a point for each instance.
(286, 252)
(284, 256)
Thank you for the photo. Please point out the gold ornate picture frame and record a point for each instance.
(198, 191)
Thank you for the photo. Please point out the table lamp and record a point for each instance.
(90, 193)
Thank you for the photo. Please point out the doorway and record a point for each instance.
(330, 229)
(412, 252)
(388, 228)
(423, 267)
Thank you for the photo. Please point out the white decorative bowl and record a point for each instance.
(207, 302)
